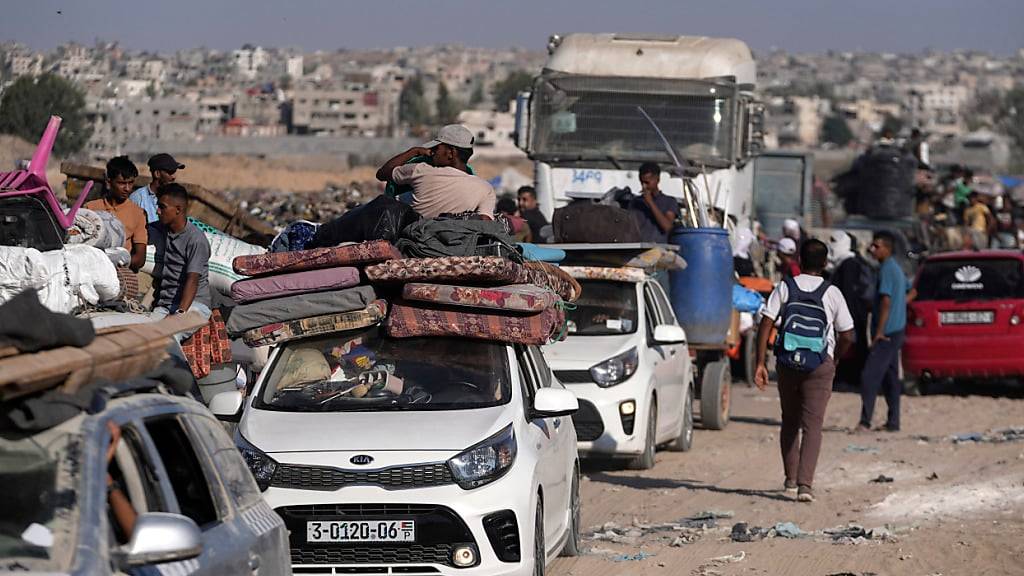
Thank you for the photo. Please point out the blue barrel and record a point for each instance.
(702, 293)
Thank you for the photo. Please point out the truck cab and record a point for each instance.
(582, 127)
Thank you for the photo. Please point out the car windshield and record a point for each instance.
(980, 279)
(368, 371)
(604, 308)
(37, 501)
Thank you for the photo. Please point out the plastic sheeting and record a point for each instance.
(65, 279)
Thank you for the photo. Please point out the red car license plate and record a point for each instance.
(968, 317)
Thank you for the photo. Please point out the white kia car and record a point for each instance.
(413, 456)
(626, 360)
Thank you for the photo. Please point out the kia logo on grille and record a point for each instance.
(361, 459)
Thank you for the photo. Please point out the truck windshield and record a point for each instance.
(368, 371)
(584, 117)
(38, 501)
(605, 308)
(980, 279)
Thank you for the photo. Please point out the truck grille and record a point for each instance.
(396, 478)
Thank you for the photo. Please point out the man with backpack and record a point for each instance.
(814, 330)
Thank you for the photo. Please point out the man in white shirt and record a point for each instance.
(444, 185)
(804, 395)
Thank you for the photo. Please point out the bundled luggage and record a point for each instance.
(583, 221)
(305, 293)
(880, 184)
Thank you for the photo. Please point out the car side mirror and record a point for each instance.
(160, 537)
(554, 402)
(227, 405)
(669, 334)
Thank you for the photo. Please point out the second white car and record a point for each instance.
(627, 361)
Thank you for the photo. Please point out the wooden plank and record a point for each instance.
(207, 206)
(121, 354)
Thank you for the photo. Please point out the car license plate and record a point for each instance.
(971, 317)
(361, 531)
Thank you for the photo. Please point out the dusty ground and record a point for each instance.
(297, 174)
(952, 507)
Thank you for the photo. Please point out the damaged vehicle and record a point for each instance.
(131, 481)
(426, 455)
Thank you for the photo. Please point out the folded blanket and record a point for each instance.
(411, 319)
(350, 255)
(306, 327)
(450, 269)
(245, 317)
(262, 288)
(514, 298)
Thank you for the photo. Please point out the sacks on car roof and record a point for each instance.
(65, 279)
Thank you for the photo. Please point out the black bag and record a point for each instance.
(586, 222)
(382, 218)
(881, 184)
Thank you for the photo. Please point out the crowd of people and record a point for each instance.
(156, 215)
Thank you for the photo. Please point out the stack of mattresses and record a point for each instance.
(306, 292)
(481, 297)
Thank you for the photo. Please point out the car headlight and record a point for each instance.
(485, 462)
(261, 465)
(615, 369)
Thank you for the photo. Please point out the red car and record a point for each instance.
(966, 319)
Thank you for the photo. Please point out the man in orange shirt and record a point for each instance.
(121, 173)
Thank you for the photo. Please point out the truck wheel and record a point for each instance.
(645, 461)
(684, 441)
(714, 401)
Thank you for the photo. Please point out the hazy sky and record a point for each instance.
(795, 25)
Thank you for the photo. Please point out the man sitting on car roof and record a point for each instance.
(444, 185)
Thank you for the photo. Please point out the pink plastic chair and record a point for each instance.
(33, 181)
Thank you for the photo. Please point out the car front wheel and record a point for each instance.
(539, 554)
(574, 541)
(684, 441)
(645, 461)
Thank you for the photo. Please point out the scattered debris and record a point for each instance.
(787, 530)
(861, 449)
(731, 559)
(882, 479)
(848, 531)
(932, 476)
(707, 568)
(639, 556)
(1013, 434)
(741, 532)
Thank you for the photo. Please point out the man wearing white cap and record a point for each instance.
(787, 258)
(445, 184)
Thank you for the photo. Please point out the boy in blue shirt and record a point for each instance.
(889, 322)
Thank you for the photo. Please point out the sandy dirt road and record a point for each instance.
(952, 507)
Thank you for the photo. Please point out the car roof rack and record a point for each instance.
(649, 256)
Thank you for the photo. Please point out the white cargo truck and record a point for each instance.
(581, 126)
